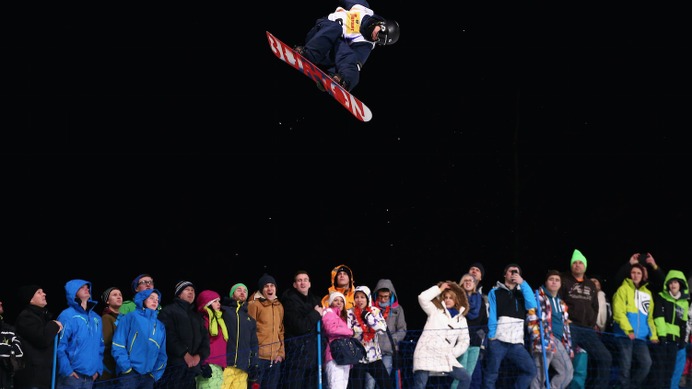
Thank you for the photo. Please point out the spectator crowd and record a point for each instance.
(565, 332)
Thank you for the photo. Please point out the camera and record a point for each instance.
(515, 271)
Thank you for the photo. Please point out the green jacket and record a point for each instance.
(670, 313)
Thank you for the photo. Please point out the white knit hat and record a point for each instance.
(334, 295)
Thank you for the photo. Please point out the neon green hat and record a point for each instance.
(578, 256)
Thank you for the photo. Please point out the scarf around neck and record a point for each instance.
(368, 332)
(216, 321)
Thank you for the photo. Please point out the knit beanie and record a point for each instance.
(27, 292)
(343, 269)
(236, 286)
(205, 298)
(480, 267)
(578, 256)
(264, 280)
(135, 282)
(334, 295)
(107, 294)
(180, 286)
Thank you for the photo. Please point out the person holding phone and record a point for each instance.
(509, 302)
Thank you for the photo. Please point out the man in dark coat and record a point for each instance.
(302, 312)
(37, 330)
(242, 348)
(187, 342)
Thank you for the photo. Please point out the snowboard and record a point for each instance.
(298, 62)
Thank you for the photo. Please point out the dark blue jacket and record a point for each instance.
(336, 48)
(242, 349)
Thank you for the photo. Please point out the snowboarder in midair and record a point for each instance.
(341, 42)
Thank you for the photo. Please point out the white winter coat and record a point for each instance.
(444, 337)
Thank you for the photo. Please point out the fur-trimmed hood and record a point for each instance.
(461, 297)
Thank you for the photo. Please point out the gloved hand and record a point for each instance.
(365, 315)
(252, 373)
(206, 371)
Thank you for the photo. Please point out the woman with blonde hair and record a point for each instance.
(477, 319)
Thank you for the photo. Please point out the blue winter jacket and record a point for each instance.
(80, 346)
(139, 341)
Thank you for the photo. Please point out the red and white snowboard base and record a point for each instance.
(297, 61)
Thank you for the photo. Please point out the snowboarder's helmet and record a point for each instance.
(389, 33)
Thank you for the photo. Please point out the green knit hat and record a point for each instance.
(234, 287)
(578, 256)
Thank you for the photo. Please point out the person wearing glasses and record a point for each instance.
(342, 41)
(140, 283)
(386, 299)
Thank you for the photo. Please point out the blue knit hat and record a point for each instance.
(135, 282)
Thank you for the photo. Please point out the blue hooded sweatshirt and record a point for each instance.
(139, 341)
(80, 346)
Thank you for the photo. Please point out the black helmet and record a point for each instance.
(389, 32)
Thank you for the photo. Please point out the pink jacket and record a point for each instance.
(334, 327)
(218, 336)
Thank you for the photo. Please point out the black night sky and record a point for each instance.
(172, 141)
